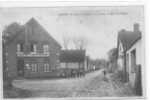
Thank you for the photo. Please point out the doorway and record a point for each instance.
(20, 67)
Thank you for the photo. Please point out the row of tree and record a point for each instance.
(76, 42)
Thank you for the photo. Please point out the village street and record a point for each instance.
(92, 85)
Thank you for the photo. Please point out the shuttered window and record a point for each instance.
(46, 49)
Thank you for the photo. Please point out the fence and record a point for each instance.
(138, 81)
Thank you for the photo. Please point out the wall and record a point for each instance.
(40, 62)
(138, 48)
(120, 60)
(54, 55)
(52, 60)
(72, 65)
(12, 64)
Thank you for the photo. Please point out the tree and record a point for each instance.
(76, 42)
(8, 33)
(66, 41)
(112, 55)
(100, 63)
(80, 43)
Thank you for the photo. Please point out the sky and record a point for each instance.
(98, 25)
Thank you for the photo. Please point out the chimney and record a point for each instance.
(136, 27)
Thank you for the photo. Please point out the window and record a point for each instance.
(33, 48)
(120, 49)
(46, 49)
(33, 67)
(20, 47)
(27, 66)
(46, 68)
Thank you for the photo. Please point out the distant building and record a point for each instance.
(73, 59)
(129, 53)
(32, 52)
(73, 62)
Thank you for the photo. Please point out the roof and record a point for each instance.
(128, 38)
(72, 55)
(33, 27)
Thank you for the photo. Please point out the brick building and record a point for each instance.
(32, 52)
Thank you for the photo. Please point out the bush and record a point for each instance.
(16, 93)
(7, 83)
(119, 75)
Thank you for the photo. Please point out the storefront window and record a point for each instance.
(46, 68)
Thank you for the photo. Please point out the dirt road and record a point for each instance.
(93, 84)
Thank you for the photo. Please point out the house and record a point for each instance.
(129, 53)
(32, 52)
(74, 60)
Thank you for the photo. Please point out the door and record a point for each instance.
(133, 61)
(20, 67)
(138, 81)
